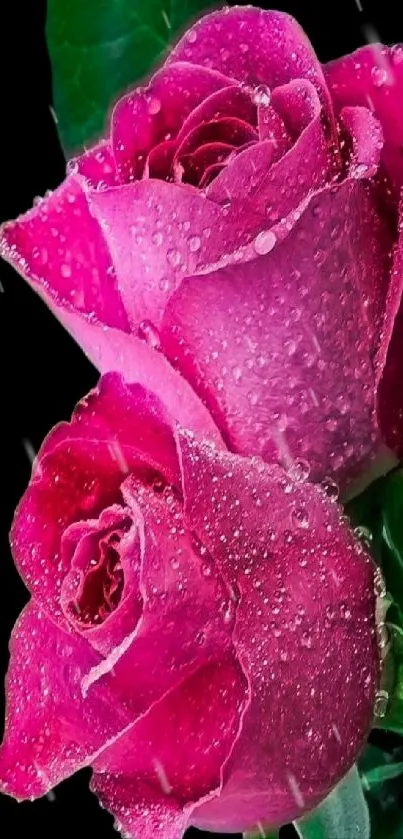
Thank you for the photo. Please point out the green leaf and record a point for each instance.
(381, 774)
(100, 48)
(392, 513)
(342, 815)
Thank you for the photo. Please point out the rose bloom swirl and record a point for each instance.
(201, 629)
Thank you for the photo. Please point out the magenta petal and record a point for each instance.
(97, 166)
(157, 233)
(297, 104)
(173, 756)
(289, 373)
(253, 46)
(59, 248)
(81, 542)
(373, 77)
(140, 811)
(230, 130)
(51, 730)
(270, 186)
(137, 361)
(78, 472)
(305, 618)
(390, 397)
(233, 101)
(272, 127)
(155, 113)
(159, 161)
(193, 167)
(180, 587)
(366, 138)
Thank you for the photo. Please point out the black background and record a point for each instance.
(42, 372)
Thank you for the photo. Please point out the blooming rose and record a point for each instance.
(201, 629)
(240, 221)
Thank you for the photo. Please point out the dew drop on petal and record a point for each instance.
(261, 95)
(300, 517)
(299, 470)
(149, 333)
(173, 257)
(264, 242)
(194, 243)
(154, 105)
(379, 76)
(331, 488)
(381, 703)
(396, 53)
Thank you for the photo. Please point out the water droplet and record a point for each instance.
(65, 270)
(191, 36)
(200, 638)
(194, 243)
(300, 470)
(300, 517)
(157, 238)
(149, 333)
(381, 703)
(261, 95)
(396, 53)
(379, 76)
(207, 232)
(173, 257)
(379, 584)
(206, 569)
(225, 206)
(330, 487)
(363, 534)
(174, 562)
(306, 640)
(154, 105)
(264, 242)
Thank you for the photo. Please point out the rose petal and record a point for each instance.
(59, 248)
(137, 361)
(180, 587)
(97, 166)
(373, 77)
(51, 729)
(230, 130)
(283, 376)
(78, 472)
(233, 101)
(159, 161)
(149, 115)
(194, 166)
(174, 754)
(389, 396)
(305, 617)
(270, 186)
(139, 810)
(253, 46)
(157, 232)
(80, 547)
(272, 127)
(366, 138)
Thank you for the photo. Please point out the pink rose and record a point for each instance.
(201, 628)
(240, 221)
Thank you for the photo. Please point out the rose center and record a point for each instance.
(102, 588)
